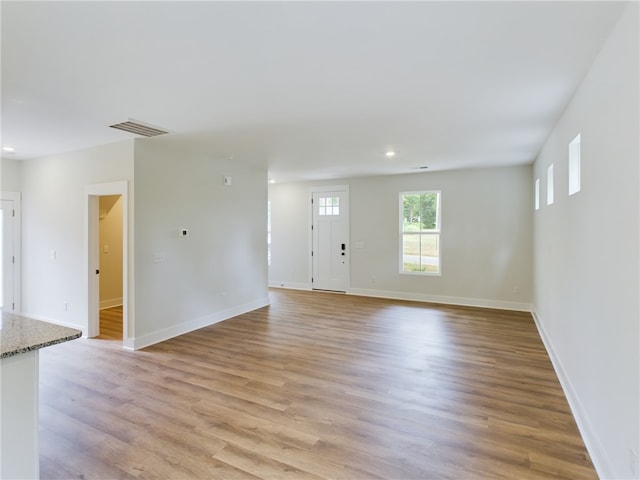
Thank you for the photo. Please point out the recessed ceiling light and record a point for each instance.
(390, 154)
(9, 149)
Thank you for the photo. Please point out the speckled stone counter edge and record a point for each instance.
(22, 334)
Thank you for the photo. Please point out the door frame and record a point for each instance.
(16, 198)
(92, 257)
(322, 189)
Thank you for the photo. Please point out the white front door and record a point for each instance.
(7, 260)
(330, 249)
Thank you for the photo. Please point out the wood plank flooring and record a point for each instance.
(317, 385)
(111, 323)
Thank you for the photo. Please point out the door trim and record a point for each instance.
(321, 189)
(92, 258)
(16, 198)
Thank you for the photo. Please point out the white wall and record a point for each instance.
(586, 254)
(220, 269)
(486, 239)
(53, 218)
(110, 243)
(10, 175)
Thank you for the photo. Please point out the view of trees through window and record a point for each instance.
(420, 232)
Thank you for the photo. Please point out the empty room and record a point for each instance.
(329, 240)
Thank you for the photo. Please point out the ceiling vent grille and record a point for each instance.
(133, 126)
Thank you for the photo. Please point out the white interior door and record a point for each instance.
(330, 249)
(7, 260)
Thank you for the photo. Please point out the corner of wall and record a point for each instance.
(176, 330)
(597, 452)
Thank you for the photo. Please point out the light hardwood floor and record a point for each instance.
(111, 323)
(317, 385)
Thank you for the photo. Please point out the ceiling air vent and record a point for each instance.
(133, 126)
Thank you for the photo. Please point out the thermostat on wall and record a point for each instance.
(183, 232)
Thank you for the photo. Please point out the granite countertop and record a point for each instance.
(21, 334)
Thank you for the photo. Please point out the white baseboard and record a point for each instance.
(112, 302)
(290, 285)
(56, 322)
(418, 297)
(596, 450)
(186, 327)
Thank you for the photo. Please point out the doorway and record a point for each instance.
(110, 266)
(330, 238)
(107, 261)
(10, 251)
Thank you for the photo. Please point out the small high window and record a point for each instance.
(550, 184)
(269, 232)
(536, 198)
(574, 165)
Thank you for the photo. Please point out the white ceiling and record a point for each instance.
(310, 89)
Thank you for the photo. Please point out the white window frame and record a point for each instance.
(436, 231)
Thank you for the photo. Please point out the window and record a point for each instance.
(1, 258)
(420, 232)
(269, 233)
(550, 184)
(329, 206)
(574, 165)
(537, 195)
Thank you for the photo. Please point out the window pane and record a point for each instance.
(411, 253)
(336, 201)
(1, 257)
(411, 213)
(430, 252)
(322, 200)
(428, 211)
(321, 210)
(420, 212)
(574, 166)
(336, 210)
(550, 184)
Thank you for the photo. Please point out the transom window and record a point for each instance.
(329, 206)
(420, 232)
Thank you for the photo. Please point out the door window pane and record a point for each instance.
(329, 206)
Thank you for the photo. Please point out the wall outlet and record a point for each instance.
(633, 461)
